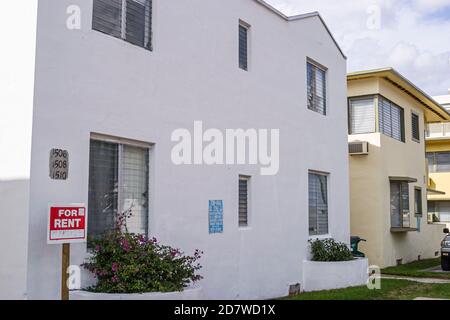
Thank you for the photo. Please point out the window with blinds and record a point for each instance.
(316, 82)
(130, 20)
(418, 209)
(243, 200)
(391, 119)
(318, 204)
(243, 46)
(415, 127)
(362, 117)
(118, 183)
(440, 209)
(400, 215)
(438, 161)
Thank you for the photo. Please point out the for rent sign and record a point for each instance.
(67, 224)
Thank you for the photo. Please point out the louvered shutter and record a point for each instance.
(243, 201)
(443, 161)
(243, 47)
(316, 87)
(107, 17)
(391, 119)
(415, 126)
(362, 115)
(139, 22)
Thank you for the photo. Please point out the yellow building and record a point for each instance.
(438, 155)
(388, 172)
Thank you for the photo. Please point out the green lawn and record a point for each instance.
(391, 289)
(415, 269)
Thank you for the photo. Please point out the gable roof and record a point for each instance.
(301, 17)
(433, 110)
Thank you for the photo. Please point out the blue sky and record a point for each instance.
(412, 36)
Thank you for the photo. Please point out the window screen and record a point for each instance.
(415, 127)
(391, 119)
(243, 201)
(243, 47)
(316, 78)
(118, 182)
(108, 16)
(318, 204)
(362, 115)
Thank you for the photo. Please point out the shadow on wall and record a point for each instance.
(13, 237)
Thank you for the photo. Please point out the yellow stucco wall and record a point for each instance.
(439, 180)
(370, 185)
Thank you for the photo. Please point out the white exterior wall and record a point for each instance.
(90, 82)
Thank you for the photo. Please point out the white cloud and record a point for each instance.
(412, 36)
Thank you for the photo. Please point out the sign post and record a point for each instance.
(66, 224)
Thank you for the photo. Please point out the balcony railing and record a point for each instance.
(438, 130)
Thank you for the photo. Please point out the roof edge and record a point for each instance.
(374, 72)
(301, 17)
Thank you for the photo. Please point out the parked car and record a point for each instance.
(445, 251)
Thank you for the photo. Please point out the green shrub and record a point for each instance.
(127, 263)
(330, 250)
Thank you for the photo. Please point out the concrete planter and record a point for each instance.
(334, 275)
(192, 293)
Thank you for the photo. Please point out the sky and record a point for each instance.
(413, 36)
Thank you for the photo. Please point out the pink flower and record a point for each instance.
(114, 267)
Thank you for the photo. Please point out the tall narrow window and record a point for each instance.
(400, 215)
(391, 119)
(418, 202)
(415, 127)
(118, 183)
(362, 115)
(316, 78)
(318, 204)
(243, 200)
(243, 46)
(130, 20)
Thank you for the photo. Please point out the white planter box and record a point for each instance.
(192, 293)
(334, 275)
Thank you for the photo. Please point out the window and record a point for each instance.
(439, 211)
(391, 119)
(118, 182)
(415, 127)
(438, 161)
(400, 216)
(362, 115)
(243, 200)
(418, 202)
(243, 46)
(318, 204)
(130, 20)
(316, 78)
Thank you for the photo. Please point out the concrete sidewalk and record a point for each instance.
(421, 280)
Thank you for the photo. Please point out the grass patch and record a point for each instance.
(391, 289)
(415, 269)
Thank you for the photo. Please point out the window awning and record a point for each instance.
(403, 179)
(435, 192)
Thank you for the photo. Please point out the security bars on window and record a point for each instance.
(243, 201)
(318, 204)
(130, 20)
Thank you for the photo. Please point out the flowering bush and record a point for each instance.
(127, 263)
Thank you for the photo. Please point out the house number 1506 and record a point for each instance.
(59, 164)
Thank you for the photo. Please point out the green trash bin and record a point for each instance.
(354, 242)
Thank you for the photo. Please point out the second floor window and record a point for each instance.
(391, 119)
(130, 20)
(316, 82)
(362, 115)
(243, 45)
(438, 161)
(415, 124)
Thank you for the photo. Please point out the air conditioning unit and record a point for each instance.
(358, 148)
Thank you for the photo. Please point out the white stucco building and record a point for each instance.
(113, 95)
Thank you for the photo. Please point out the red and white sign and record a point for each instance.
(67, 224)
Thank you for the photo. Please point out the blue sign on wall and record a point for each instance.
(215, 216)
